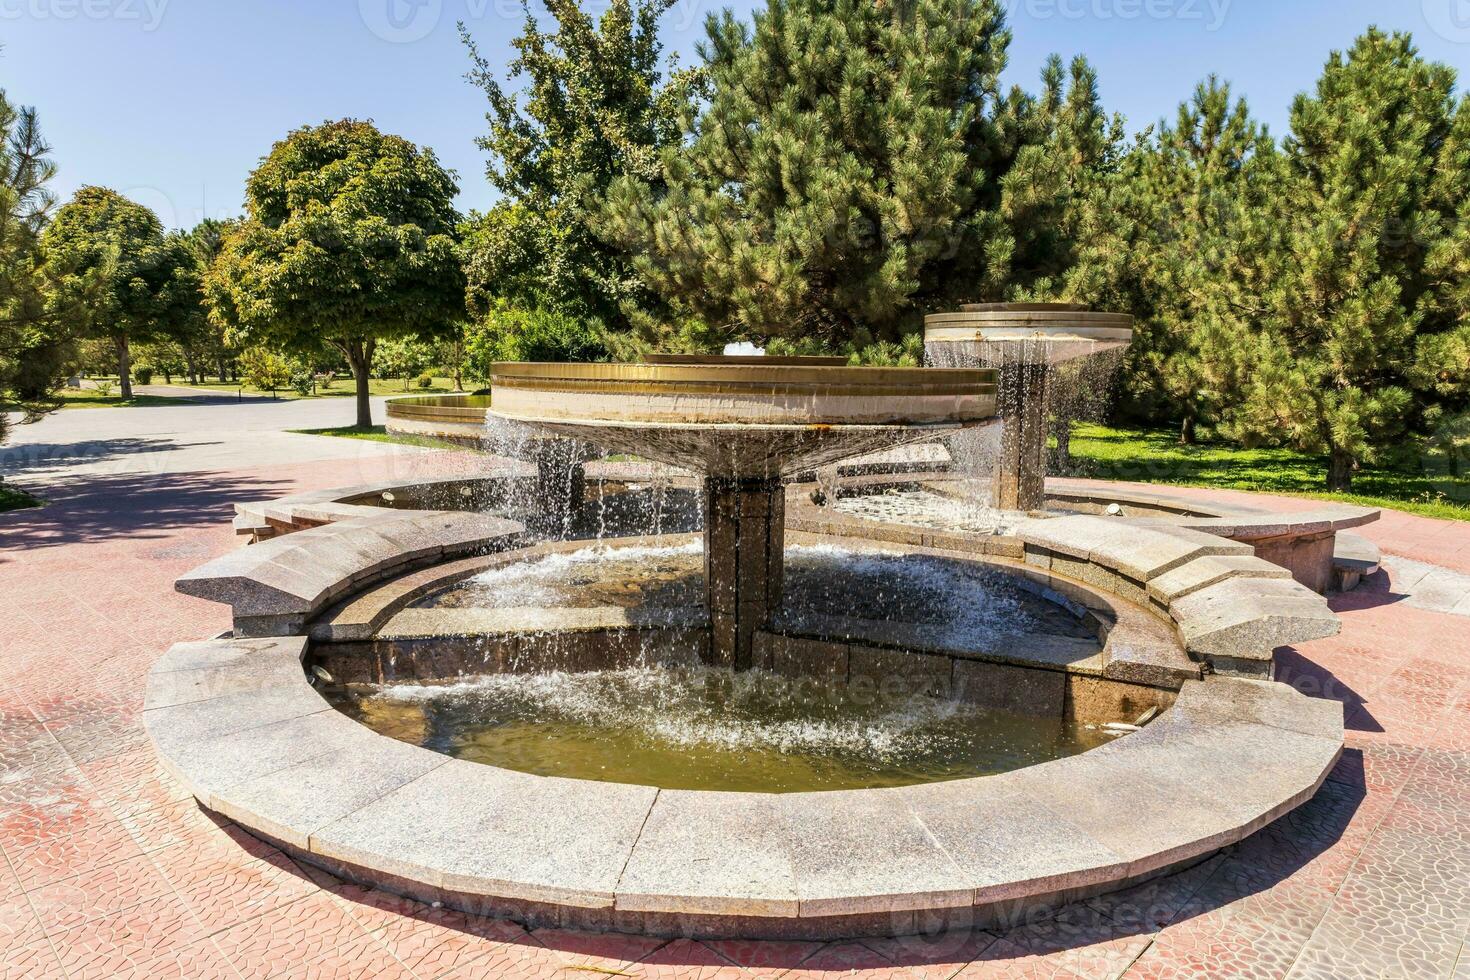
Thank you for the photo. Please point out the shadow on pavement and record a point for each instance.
(131, 505)
(16, 460)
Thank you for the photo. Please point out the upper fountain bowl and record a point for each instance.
(1029, 333)
(742, 417)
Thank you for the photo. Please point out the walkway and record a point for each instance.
(110, 871)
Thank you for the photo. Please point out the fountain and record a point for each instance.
(787, 726)
(1025, 342)
(746, 424)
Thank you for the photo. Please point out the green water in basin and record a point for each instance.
(710, 729)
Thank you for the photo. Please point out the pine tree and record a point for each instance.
(1197, 193)
(1053, 200)
(34, 349)
(843, 177)
(1330, 366)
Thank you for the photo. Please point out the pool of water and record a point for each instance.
(947, 602)
(711, 729)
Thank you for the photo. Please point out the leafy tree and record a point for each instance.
(264, 369)
(34, 350)
(596, 107)
(1330, 367)
(348, 239)
(404, 357)
(843, 176)
(121, 277)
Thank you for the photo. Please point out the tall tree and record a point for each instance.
(596, 106)
(1332, 361)
(33, 350)
(121, 277)
(844, 174)
(348, 239)
(1197, 200)
(1052, 195)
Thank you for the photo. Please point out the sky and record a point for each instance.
(173, 102)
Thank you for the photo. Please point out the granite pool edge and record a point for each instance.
(237, 722)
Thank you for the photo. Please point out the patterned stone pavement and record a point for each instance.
(111, 871)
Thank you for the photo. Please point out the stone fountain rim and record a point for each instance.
(236, 721)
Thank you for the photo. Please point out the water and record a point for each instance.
(710, 729)
(926, 508)
(939, 602)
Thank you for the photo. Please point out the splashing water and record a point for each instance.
(705, 728)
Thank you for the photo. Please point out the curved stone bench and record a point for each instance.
(1232, 608)
(274, 587)
(238, 724)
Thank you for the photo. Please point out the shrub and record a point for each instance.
(301, 382)
(104, 387)
(264, 370)
(426, 380)
(513, 333)
(143, 375)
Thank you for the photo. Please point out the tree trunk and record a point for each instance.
(1061, 456)
(360, 358)
(124, 366)
(1340, 469)
(1186, 431)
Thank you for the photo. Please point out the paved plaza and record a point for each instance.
(112, 870)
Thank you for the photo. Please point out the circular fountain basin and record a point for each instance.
(1028, 333)
(660, 716)
(742, 416)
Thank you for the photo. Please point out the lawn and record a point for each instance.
(378, 433)
(1155, 456)
(12, 498)
(342, 387)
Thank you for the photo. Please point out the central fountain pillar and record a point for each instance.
(744, 537)
(1020, 473)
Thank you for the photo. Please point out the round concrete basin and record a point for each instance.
(742, 417)
(1029, 333)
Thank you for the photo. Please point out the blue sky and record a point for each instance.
(174, 101)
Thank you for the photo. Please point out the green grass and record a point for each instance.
(12, 498)
(1155, 456)
(91, 398)
(378, 433)
(341, 388)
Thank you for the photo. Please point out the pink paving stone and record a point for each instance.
(78, 639)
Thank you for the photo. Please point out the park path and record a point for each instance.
(110, 870)
(191, 437)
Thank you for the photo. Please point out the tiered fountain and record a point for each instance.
(746, 424)
(928, 734)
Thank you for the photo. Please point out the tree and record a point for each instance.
(200, 339)
(596, 107)
(1052, 200)
(348, 239)
(1331, 363)
(404, 357)
(34, 351)
(1199, 247)
(264, 369)
(843, 176)
(120, 276)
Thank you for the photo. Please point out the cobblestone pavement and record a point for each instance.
(111, 871)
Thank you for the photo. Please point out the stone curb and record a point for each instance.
(238, 724)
